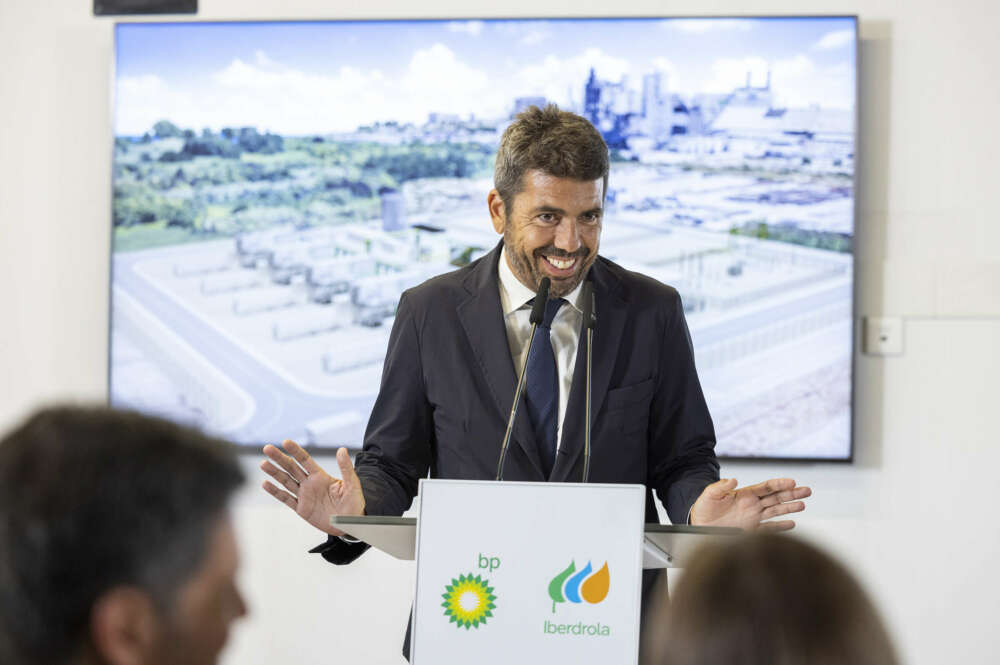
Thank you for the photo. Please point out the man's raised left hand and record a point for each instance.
(724, 504)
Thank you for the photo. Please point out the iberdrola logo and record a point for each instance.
(577, 586)
(468, 601)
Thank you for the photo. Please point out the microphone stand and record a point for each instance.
(537, 315)
(589, 321)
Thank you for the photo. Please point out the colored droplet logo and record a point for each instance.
(468, 601)
(575, 586)
(556, 585)
(572, 589)
(595, 588)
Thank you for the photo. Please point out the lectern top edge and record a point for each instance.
(650, 527)
(653, 527)
(374, 520)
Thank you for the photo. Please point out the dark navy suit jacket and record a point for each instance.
(448, 384)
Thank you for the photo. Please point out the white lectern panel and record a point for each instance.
(529, 572)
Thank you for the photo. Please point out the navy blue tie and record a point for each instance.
(541, 389)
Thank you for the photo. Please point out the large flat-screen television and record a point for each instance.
(277, 185)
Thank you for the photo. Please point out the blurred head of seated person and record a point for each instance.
(116, 546)
(769, 600)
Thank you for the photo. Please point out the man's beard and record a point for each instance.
(526, 267)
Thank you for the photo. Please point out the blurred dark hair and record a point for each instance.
(555, 142)
(769, 600)
(91, 499)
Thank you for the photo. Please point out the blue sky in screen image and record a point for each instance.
(316, 77)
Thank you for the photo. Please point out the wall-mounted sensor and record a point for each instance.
(131, 7)
(882, 336)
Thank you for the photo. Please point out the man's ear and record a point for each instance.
(124, 626)
(498, 212)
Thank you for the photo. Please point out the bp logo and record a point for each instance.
(468, 601)
(576, 586)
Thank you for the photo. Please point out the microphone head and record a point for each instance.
(589, 306)
(541, 297)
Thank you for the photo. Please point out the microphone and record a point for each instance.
(589, 306)
(589, 321)
(538, 305)
(537, 316)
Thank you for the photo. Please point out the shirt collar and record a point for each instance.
(514, 294)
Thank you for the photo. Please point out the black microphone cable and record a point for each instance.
(589, 321)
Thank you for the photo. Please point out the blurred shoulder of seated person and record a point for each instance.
(769, 600)
(116, 545)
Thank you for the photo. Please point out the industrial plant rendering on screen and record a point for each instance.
(277, 186)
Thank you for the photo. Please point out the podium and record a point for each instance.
(510, 571)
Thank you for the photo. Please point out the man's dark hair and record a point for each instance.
(555, 142)
(91, 499)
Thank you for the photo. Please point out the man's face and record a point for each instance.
(198, 625)
(553, 229)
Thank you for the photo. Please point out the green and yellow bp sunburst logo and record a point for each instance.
(468, 601)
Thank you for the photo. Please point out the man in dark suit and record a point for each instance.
(449, 375)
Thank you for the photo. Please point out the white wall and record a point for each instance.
(916, 515)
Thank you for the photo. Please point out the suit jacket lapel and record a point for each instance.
(482, 319)
(611, 312)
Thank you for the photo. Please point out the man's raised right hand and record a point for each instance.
(313, 493)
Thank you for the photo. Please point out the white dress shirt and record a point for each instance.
(565, 336)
